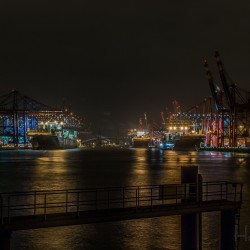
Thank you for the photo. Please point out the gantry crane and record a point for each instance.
(232, 106)
(20, 114)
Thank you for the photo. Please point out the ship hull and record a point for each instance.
(141, 143)
(51, 142)
(188, 142)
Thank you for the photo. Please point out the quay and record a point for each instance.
(41, 209)
(226, 149)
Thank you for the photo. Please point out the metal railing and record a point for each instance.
(43, 203)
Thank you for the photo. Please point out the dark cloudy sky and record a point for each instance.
(114, 60)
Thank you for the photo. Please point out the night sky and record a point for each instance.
(114, 60)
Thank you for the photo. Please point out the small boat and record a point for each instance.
(166, 145)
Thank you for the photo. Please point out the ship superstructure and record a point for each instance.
(141, 137)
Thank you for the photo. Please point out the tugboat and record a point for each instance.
(166, 145)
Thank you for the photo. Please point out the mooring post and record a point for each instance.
(5, 237)
(228, 230)
(191, 223)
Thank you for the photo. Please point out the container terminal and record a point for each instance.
(220, 122)
(26, 123)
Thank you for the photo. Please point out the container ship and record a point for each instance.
(62, 138)
(183, 132)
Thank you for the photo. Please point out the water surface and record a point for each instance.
(81, 168)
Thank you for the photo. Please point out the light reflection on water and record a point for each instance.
(68, 169)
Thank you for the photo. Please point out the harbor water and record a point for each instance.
(83, 168)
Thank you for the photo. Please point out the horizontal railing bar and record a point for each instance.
(39, 192)
(212, 193)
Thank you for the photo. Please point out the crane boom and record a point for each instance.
(218, 105)
(229, 98)
(163, 119)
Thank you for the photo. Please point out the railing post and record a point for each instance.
(235, 191)
(221, 191)
(151, 198)
(138, 196)
(108, 198)
(45, 206)
(226, 190)
(35, 203)
(78, 198)
(185, 191)
(96, 199)
(1, 200)
(241, 187)
(67, 193)
(123, 197)
(200, 190)
(206, 191)
(9, 208)
(176, 194)
(162, 194)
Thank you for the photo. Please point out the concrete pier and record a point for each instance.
(191, 224)
(228, 230)
(5, 237)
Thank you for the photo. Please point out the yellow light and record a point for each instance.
(181, 128)
(170, 128)
(186, 128)
(174, 128)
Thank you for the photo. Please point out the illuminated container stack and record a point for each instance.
(21, 118)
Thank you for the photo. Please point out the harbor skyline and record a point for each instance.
(114, 61)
